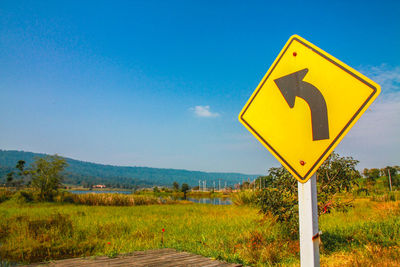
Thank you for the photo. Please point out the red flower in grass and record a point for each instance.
(163, 230)
(108, 243)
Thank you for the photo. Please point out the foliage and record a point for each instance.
(245, 197)
(371, 175)
(389, 169)
(10, 177)
(46, 175)
(24, 196)
(5, 195)
(337, 174)
(279, 197)
(175, 186)
(17, 178)
(184, 189)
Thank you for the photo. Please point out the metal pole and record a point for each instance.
(390, 179)
(308, 219)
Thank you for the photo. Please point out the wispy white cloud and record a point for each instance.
(386, 76)
(204, 111)
(375, 138)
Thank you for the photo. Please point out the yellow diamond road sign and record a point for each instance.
(305, 105)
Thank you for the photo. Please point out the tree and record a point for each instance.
(280, 198)
(10, 177)
(20, 166)
(365, 172)
(373, 174)
(175, 186)
(21, 172)
(337, 174)
(391, 170)
(395, 179)
(46, 175)
(185, 188)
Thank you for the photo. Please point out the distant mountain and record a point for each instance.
(86, 173)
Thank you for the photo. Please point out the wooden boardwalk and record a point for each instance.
(157, 258)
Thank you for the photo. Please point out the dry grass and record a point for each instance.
(369, 255)
(93, 199)
(367, 235)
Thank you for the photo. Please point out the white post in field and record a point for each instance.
(308, 223)
(390, 179)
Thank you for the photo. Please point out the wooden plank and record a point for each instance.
(179, 261)
(151, 258)
(195, 260)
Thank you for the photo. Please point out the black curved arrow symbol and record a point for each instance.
(292, 85)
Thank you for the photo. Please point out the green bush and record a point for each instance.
(24, 197)
(246, 197)
(6, 195)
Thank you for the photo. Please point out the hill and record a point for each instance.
(87, 173)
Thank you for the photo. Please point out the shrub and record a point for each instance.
(246, 197)
(280, 197)
(6, 195)
(23, 197)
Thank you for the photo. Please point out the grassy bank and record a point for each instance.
(367, 235)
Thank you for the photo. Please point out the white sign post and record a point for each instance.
(308, 220)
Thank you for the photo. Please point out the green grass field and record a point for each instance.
(369, 234)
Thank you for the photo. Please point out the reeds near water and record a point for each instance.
(108, 199)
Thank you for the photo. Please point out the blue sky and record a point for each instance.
(160, 83)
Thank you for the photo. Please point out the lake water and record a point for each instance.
(213, 201)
